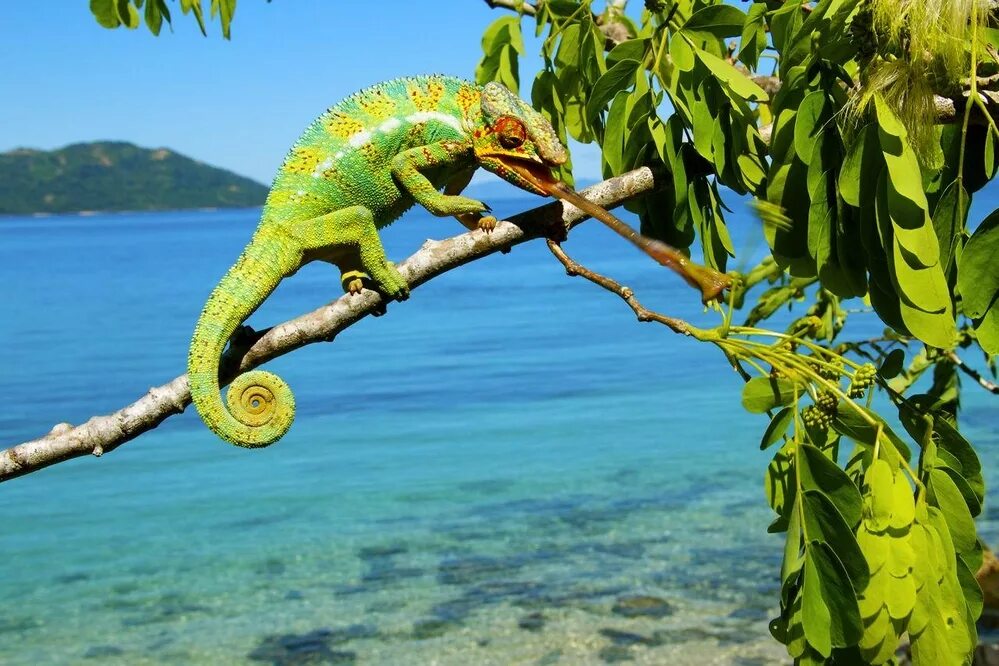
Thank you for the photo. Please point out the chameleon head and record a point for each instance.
(516, 142)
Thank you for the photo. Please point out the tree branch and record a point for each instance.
(105, 433)
(574, 268)
(523, 6)
(989, 386)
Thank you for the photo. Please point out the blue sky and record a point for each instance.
(238, 104)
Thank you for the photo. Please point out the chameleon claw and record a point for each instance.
(487, 223)
(353, 281)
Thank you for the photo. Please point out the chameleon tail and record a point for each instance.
(259, 406)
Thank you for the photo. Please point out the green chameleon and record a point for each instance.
(356, 169)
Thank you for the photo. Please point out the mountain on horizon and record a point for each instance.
(116, 175)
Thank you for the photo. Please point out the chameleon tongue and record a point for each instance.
(710, 282)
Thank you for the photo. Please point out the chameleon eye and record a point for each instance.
(511, 132)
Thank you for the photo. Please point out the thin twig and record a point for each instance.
(102, 434)
(523, 7)
(989, 386)
(643, 313)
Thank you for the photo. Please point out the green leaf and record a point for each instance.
(106, 12)
(779, 487)
(761, 394)
(978, 269)
(824, 524)
(614, 80)
(128, 14)
(817, 472)
(875, 548)
(955, 443)
(720, 21)
(945, 495)
(682, 53)
(887, 118)
(948, 222)
(793, 556)
(829, 611)
(970, 496)
(972, 590)
(903, 505)
(630, 49)
(863, 156)
(900, 595)
(734, 80)
(880, 495)
(754, 35)
(567, 55)
(879, 641)
(777, 428)
(925, 304)
(809, 124)
(892, 363)
(945, 636)
(153, 16)
(615, 130)
(187, 6)
(225, 9)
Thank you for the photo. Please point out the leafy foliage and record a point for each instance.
(132, 13)
(843, 149)
(116, 176)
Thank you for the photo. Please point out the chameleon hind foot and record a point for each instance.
(353, 281)
(396, 286)
(391, 283)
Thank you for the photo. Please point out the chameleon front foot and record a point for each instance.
(487, 223)
(391, 282)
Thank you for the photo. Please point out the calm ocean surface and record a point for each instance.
(487, 475)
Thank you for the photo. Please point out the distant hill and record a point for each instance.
(114, 175)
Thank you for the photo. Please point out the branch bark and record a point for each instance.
(102, 434)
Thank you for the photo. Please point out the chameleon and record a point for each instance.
(357, 168)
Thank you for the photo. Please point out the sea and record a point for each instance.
(507, 468)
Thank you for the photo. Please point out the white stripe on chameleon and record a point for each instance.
(358, 139)
(322, 166)
(425, 116)
(388, 125)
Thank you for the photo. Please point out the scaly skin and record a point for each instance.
(356, 169)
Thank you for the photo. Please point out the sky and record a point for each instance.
(237, 104)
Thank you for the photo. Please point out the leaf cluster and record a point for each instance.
(877, 548)
(857, 206)
(132, 13)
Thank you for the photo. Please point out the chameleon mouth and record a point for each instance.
(538, 175)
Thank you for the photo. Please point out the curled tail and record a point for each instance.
(259, 406)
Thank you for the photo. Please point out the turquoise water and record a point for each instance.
(487, 475)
